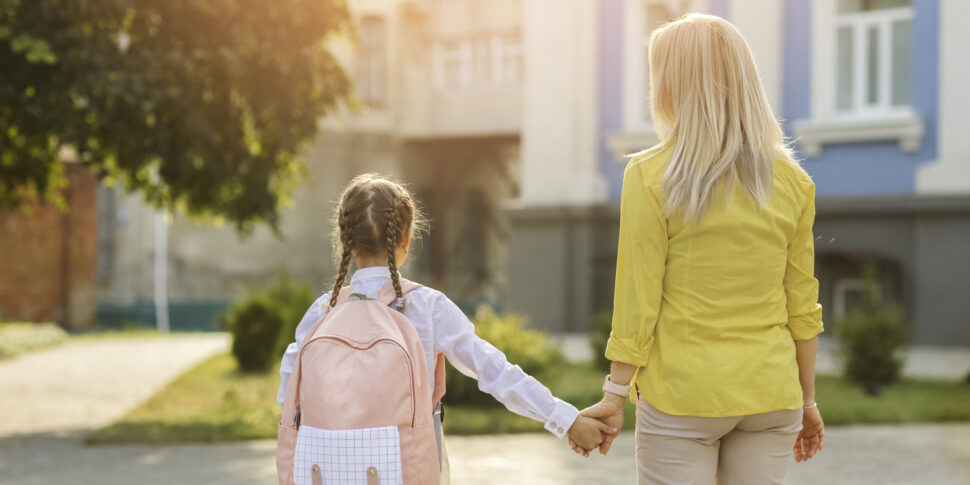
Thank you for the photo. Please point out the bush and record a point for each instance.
(870, 340)
(531, 350)
(17, 338)
(255, 326)
(294, 299)
(599, 334)
(264, 322)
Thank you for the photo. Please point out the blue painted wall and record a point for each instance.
(611, 90)
(719, 8)
(863, 168)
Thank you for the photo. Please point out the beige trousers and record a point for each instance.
(688, 450)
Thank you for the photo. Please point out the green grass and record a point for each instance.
(214, 402)
(21, 337)
(124, 333)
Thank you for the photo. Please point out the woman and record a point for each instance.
(716, 311)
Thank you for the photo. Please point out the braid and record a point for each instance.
(347, 244)
(374, 215)
(392, 238)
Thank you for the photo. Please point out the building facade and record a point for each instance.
(510, 120)
(871, 93)
(440, 90)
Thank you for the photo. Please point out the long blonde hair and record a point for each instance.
(708, 103)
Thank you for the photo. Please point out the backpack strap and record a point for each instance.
(388, 297)
(439, 380)
(344, 295)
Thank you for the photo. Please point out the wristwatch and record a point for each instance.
(614, 388)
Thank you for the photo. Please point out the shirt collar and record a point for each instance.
(371, 273)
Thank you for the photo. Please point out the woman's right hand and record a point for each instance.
(610, 411)
(811, 439)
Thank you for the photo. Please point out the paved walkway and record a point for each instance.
(58, 394)
(865, 455)
(86, 384)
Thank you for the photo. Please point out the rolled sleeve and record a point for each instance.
(628, 350)
(640, 266)
(804, 327)
(801, 286)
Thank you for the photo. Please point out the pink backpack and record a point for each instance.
(358, 406)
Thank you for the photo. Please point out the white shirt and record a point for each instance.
(443, 327)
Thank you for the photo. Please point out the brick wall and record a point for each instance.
(47, 256)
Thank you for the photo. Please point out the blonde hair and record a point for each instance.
(374, 215)
(708, 103)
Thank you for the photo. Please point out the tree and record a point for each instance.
(204, 105)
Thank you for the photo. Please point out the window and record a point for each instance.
(873, 56)
(371, 60)
(449, 65)
(484, 61)
(509, 59)
(861, 76)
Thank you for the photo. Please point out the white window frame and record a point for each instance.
(501, 46)
(506, 47)
(371, 77)
(860, 23)
(829, 126)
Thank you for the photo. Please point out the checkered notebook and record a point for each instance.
(345, 455)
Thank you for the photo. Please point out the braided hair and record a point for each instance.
(374, 216)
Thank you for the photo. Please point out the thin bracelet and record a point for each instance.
(810, 406)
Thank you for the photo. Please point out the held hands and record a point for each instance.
(811, 439)
(608, 418)
(587, 433)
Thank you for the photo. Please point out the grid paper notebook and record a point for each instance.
(345, 455)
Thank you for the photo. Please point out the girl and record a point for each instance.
(716, 311)
(374, 224)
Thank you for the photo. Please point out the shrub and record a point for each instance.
(255, 326)
(599, 334)
(531, 350)
(17, 338)
(870, 339)
(263, 323)
(294, 299)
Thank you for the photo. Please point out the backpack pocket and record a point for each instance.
(285, 443)
(348, 456)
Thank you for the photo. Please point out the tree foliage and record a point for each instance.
(204, 105)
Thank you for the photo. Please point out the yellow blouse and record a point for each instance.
(711, 311)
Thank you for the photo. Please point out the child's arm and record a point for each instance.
(312, 315)
(521, 393)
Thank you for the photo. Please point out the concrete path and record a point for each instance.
(86, 384)
(865, 455)
(951, 363)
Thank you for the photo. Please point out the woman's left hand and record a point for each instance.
(811, 439)
(610, 411)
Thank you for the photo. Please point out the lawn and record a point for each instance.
(21, 337)
(214, 402)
